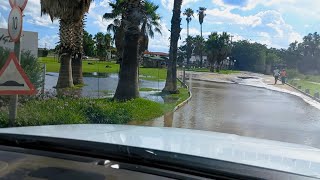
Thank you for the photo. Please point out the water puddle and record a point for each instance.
(99, 85)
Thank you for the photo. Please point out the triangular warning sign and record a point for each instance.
(13, 80)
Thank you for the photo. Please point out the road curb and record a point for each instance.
(302, 92)
(187, 100)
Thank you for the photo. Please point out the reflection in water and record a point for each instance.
(247, 111)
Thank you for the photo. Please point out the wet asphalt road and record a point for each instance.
(247, 111)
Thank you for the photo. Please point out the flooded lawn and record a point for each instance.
(104, 85)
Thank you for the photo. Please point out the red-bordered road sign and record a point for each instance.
(20, 3)
(13, 80)
(15, 24)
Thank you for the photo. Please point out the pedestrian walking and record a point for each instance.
(283, 76)
(276, 74)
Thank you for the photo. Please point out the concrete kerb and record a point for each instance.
(187, 100)
(309, 95)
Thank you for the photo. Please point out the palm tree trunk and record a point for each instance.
(77, 61)
(188, 46)
(77, 69)
(128, 87)
(171, 82)
(65, 74)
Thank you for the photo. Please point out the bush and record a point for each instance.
(293, 73)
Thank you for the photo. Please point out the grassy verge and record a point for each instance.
(69, 110)
(306, 85)
(83, 111)
(89, 66)
(207, 70)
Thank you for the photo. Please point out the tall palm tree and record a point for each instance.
(201, 14)
(149, 24)
(76, 62)
(117, 27)
(71, 14)
(128, 87)
(189, 13)
(171, 81)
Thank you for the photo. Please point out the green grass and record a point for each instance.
(151, 74)
(83, 111)
(207, 70)
(53, 66)
(67, 110)
(306, 85)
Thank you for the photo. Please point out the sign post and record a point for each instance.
(16, 82)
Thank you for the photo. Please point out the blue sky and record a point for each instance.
(275, 23)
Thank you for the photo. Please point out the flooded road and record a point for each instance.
(247, 111)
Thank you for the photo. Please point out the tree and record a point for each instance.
(150, 23)
(117, 14)
(189, 13)
(198, 43)
(88, 44)
(201, 14)
(249, 56)
(218, 47)
(71, 16)
(171, 81)
(128, 87)
(103, 44)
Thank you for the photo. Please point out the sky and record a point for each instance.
(275, 23)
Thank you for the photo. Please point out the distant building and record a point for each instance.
(155, 59)
(156, 54)
(195, 60)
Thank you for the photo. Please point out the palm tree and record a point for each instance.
(76, 62)
(117, 27)
(218, 48)
(198, 43)
(71, 16)
(201, 15)
(128, 77)
(189, 13)
(171, 82)
(150, 24)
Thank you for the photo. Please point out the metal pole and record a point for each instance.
(13, 106)
(44, 78)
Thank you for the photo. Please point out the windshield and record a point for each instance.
(246, 68)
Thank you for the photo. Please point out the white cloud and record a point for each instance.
(168, 4)
(48, 41)
(3, 22)
(161, 42)
(217, 15)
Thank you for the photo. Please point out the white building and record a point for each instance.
(29, 41)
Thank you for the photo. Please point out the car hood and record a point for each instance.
(275, 155)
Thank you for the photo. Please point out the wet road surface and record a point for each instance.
(247, 111)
